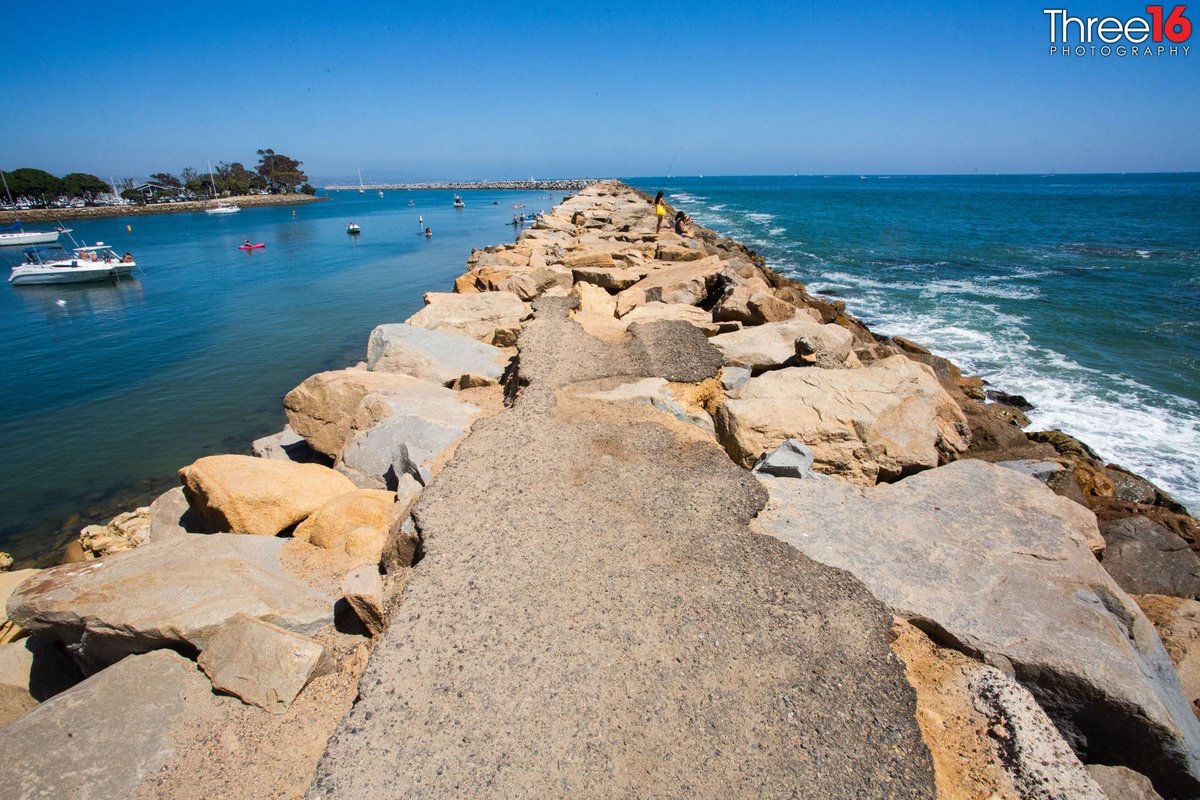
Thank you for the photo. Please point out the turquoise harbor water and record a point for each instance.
(108, 390)
(1081, 293)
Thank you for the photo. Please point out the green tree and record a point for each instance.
(279, 171)
(308, 188)
(134, 195)
(234, 178)
(166, 180)
(34, 184)
(81, 184)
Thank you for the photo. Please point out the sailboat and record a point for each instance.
(361, 189)
(15, 234)
(221, 207)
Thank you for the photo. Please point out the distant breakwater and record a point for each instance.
(566, 184)
(97, 212)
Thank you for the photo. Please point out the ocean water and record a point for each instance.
(1081, 293)
(109, 389)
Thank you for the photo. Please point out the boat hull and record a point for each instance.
(30, 237)
(43, 276)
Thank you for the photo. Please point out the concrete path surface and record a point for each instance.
(592, 617)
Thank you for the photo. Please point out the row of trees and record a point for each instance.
(37, 184)
(274, 173)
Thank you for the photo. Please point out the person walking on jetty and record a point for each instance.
(660, 211)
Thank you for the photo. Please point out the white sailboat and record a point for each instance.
(361, 189)
(221, 207)
(15, 234)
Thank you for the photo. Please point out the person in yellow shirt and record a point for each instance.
(660, 211)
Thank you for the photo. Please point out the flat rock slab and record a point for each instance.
(592, 617)
(1145, 558)
(443, 357)
(996, 565)
(105, 736)
(262, 664)
(172, 594)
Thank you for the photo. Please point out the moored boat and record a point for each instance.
(353, 229)
(458, 202)
(15, 235)
(52, 265)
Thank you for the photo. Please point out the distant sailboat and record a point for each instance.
(220, 207)
(361, 189)
(381, 192)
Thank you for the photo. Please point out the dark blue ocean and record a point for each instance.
(108, 390)
(1080, 292)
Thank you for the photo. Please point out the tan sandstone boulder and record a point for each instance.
(243, 494)
(687, 283)
(775, 343)
(320, 408)
(491, 317)
(355, 523)
(594, 300)
(692, 315)
(866, 425)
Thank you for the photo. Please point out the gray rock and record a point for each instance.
(674, 350)
(172, 517)
(262, 664)
(1143, 557)
(107, 735)
(171, 594)
(653, 392)
(32, 669)
(288, 446)
(404, 438)
(996, 565)
(1042, 470)
(792, 459)
(734, 378)
(443, 357)
(362, 590)
(1119, 783)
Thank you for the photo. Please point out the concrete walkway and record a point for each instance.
(593, 618)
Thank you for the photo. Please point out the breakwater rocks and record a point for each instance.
(557, 184)
(625, 514)
(98, 212)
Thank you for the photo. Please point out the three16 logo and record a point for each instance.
(1159, 33)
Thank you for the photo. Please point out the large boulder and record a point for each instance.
(610, 277)
(262, 664)
(320, 409)
(688, 283)
(109, 734)
(872, 424)
(1145, 558)
(355, 523)
(773, 345)
(287, 445)
(1177, 621)
(656, 393)
(752, 305)
(672, 311)
(443, 357)
(243, 494)
(594, 300)
(411, 433)
(490, 317)
(175, 594)
(32, 670)
(994, 564)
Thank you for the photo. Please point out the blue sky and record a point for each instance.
(513, 89)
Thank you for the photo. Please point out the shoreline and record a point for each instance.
(104, 212)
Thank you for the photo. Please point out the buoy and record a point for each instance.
(129, 229)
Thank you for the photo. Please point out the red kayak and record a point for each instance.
(252, 246)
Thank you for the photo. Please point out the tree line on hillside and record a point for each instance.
(275, 173)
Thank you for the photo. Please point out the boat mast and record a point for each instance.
(212, 180)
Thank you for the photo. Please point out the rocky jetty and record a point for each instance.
(97, 212)
(625, 514)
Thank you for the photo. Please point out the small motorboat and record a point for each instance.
(381, 193)
(458, 202)
(353, 229)
(52, 265)
(104, 254)
(248, 246)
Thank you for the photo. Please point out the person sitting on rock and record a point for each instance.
(683, 224)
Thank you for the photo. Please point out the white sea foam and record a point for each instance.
(777, 231)
(759, 216)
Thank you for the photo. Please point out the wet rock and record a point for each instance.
(1136, 489)
(65, 746)
(872, 424)
(445, 358)
(171, 594)
(242, 494)
(995, 565)
(262, 664)
(490, 317)
(1143, 557)
(1015, 400)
